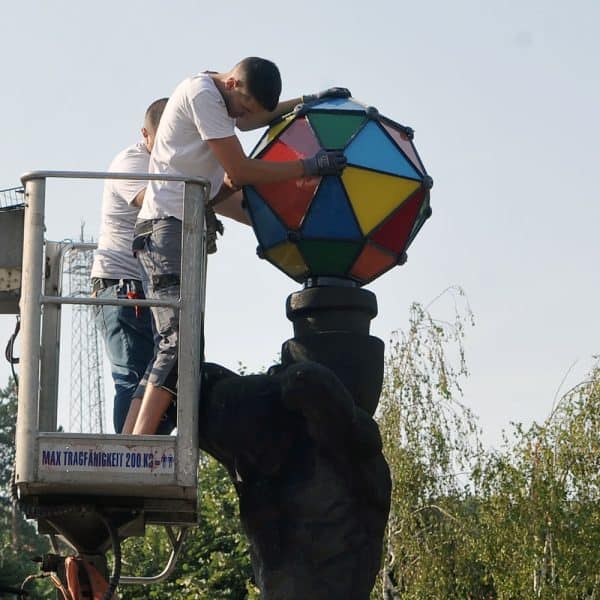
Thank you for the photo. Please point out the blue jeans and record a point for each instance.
(129, 343)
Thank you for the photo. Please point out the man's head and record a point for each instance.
(254, 84)
(151, 121)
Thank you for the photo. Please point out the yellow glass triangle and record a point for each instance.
(288, 258)
(375, 195)
(272, 133)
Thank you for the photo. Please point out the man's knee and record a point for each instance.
(170, 382)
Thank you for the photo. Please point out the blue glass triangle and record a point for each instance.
(373, 149)
(330, 214)
(337, 104)
(268, 228)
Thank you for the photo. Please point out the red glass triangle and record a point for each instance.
(280, 152)
(394, 232)
(288, 199)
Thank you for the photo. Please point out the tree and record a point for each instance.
(19, 541)
(520, 522)
(215, 561)
(8, 420)
(540, 503)
(431, 441)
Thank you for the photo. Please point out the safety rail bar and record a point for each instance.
(107, 301)
(176, 545)
(11, 197)
(191, 304)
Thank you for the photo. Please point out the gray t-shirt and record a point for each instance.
(114, 258)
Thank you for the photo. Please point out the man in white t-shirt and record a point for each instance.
(197, 137)
(127, 332)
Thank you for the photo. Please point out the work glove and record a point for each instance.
(213, 226)
(332, 92)
(324, 162)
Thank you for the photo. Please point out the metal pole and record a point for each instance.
(190, 329)
(31, 290)
(50, 345)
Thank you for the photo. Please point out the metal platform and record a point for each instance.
(66, 480)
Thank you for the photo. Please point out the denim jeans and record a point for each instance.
(129, 343)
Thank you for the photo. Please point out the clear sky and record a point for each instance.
(503, 95)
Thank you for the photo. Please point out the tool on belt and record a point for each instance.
(132, 294)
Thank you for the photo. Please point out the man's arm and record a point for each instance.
(131, 160)
(260, 119)
(228, 202)
(231, 207)
(249, 171)
(139, 199)
(264, 117)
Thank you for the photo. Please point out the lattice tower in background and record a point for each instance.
(86, 407)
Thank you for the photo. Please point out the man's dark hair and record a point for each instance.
(154, 112)
(262, 79)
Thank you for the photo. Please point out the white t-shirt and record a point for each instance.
(114, 258)
(195, 112)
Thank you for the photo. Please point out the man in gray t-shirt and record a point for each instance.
(127, 332)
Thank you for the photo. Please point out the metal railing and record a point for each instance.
(11, 198)
(191, 311)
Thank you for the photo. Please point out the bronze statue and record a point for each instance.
(307, 463)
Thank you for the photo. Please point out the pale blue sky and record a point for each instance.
(504, 99)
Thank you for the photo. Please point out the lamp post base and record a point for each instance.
(331, 327)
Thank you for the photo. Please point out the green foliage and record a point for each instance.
(214, 563)
(541, 503)
(431, 442)
(19, 544)
(19, 541)
(522, 522)
(8, 419)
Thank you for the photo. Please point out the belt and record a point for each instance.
(101, 283)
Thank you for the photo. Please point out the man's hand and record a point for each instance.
(332, 92)
(213, 226)
(228, 187)
(324, 162)
(232, 185)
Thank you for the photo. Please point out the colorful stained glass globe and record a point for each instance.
(355, 226)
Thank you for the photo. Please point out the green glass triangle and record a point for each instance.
(334, 131)
(329, 257)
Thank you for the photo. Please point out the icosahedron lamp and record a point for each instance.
(355, 226)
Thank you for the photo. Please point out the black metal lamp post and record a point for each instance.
(300, 443)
